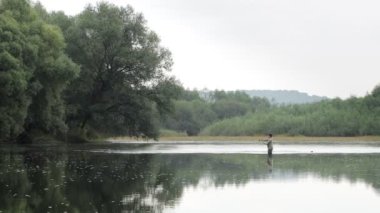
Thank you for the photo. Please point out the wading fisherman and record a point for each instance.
(269, 144)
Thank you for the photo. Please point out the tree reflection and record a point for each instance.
(36, 181)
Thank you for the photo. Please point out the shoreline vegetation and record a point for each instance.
(68, 78)
(277, 139)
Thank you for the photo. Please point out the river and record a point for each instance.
(190, 177)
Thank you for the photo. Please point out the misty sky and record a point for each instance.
(322, 47)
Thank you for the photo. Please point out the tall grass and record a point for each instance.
(322, 119)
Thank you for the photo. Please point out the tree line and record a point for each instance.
(194, 111)
(102, 71)
(237, 114)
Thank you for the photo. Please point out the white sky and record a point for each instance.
(322, 47)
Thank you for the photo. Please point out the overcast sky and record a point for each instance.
(322, 47)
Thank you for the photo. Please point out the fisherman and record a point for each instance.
(269, 144)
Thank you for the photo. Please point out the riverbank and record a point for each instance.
(280, 138)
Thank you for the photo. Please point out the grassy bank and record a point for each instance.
(280, 138)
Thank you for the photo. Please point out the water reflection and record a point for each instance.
(270, 162)
(306, 194)
(72, 181)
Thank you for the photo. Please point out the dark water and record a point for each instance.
(128, 178)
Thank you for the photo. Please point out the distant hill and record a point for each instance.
(285, 96)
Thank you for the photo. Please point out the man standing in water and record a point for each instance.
(269, 144)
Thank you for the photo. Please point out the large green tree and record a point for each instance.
(123, 86)
(34, 70)
(15, 68)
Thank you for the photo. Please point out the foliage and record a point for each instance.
(15, 70)
(104, 72)
(190, 117)
(122, 88)
(351, 117)
(33, 72)
(236, 114)
(193, 113)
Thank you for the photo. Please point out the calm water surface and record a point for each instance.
(190, 177)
